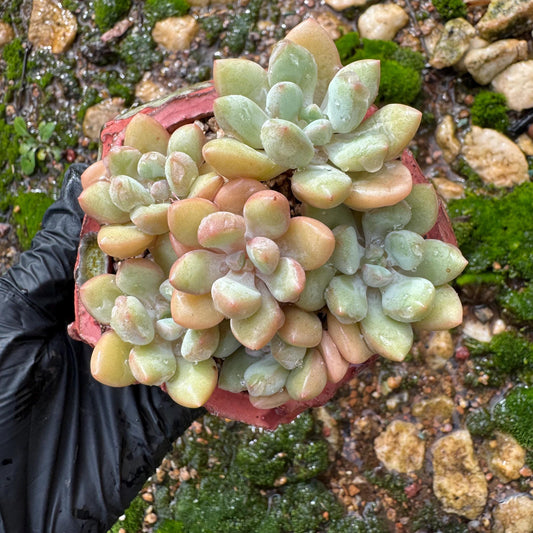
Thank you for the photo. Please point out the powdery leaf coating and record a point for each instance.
(267, 213)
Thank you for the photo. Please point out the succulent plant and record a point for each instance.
(272, 257)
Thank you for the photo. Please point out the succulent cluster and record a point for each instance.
(272, 257)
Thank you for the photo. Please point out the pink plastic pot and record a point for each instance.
(174, 111)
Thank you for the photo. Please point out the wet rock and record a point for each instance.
(458, 481)
(6, 33)
(175, 33)
(147, 90)
(98, 52)
(51, 26)
(505, 18)
(496, 158)
(400, 448)
(436, 348)
(97, 115)
(525, 143)
(475, 329)
(505, 457)
(516, 84)
(439, 407)
(453, 43)
(446, 139)
(485, 63)
(339, 5)
(382, 21)
(514, 515)
(448, 189)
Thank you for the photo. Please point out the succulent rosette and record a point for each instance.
(268, 256)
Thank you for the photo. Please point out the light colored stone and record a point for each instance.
(339, 5)
(446, 139)
(436, 347)
(525, 143)
(51, 26)
(382, 21)
(147, 90)
(485, 63)
(496, 158)
(433, 36)
(400, 448)
(453, 43)
(514, 515)
(505, 457)
(97, 115)
(6, 33)
(440, 407)
(475, 329)
(516, 84)
(504, 18)
(448, 189)
(175, 33)
(458, 481)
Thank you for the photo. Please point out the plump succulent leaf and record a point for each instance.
(424, 206)
(241, 76)
(300, 327)
(154, 363)
(200, 344)
(241, 118)
(98, 296)
(265, 377)
(346, 257)
(131, 321)
(181, 171)
(346, 298)
(292, 62)
(188, 139)
(284, 100)
(146, 134)
(287, 355)
(236, 296)
(308, 381)
(405, 249)
(127, 193)
(151, 166)
(231, 376)
(97, 203)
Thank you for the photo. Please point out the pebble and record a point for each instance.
(446, 139)
(382, 21)
(400, 447)
(496, 158)
(525, 143)
(505, 18)
(6, 33)
(514, 515)
(175, 33)
(51, 26)
(340, 5)
(485, 63)
(438, 407)
(453, 43)
(516, 84)
(97, 115)
(448, 189)
(332, 24)
(437, 348)
(458, 481)
(147, 90)
(505, 457)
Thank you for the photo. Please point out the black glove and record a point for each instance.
(73, 452)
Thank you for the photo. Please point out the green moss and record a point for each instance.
(134, 516)
(213, 26)
(450, 9)
(461, 167)
(518, 302)
(393, 483)
(27, 218)
(155, 10)
(489, 110)
(401, 79)
(496, 232)
(138, 50)
(431, 518)
(239, 468)
(108, 12)
(240, 26)
(347, 45)
(11, 11)
(13, 55)
(479, 423)
(514, 414)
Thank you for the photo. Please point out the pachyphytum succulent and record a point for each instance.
(276, 252)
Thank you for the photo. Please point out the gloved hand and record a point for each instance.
(73, 452)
